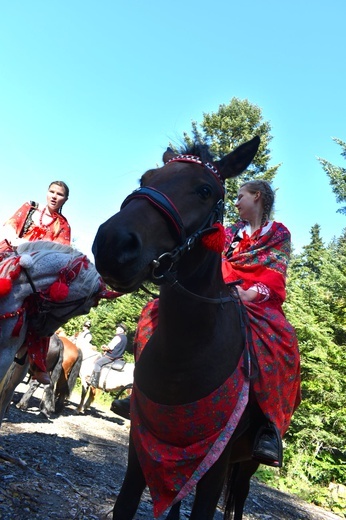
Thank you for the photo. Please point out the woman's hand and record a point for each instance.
(247, 296)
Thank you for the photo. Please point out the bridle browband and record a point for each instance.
(197, 160)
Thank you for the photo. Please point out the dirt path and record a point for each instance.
(73, 467)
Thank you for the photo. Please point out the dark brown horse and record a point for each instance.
(158, 235)
(64, 360)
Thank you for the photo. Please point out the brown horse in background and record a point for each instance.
(72, 362)
(64, 360)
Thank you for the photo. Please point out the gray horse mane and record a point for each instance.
(88, 278)
(46, 247)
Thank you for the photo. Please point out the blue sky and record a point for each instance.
(92, 92)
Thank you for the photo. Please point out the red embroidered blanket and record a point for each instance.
(176, 445)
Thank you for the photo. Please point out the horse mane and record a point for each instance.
(88, 278)
(199, 149)
(45, 246)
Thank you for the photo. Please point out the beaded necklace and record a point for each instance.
(46, 226)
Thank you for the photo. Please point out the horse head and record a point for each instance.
(174, 208)
(50, 283)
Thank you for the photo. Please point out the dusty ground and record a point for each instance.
(73, 465)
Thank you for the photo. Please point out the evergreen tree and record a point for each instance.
(316, 439)
(337, 176)
(313, 252)
(230, 126)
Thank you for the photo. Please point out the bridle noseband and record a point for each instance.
(164, 205)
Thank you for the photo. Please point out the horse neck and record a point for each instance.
(197, 344)
(181, 313)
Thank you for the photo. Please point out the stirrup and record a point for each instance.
(264, 450)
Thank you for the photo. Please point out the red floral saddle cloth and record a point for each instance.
(176, 445)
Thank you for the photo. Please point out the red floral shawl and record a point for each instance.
(262, 259)
(259, 259)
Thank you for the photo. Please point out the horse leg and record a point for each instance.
(131, 491)
(83, 395)
(238, 486)
(174, 513)
(14, 376)
(91, 397)
(209, 489)
(24, 401)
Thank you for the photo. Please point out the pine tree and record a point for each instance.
(337, 176)
(224, 130)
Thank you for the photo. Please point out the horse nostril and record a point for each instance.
(114, 251)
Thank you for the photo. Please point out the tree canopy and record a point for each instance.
(337, 176)
(224, 130)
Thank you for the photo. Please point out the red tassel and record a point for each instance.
(18, 326)
(215, 240)
(58, 291)
(5, 287)
(110, 295)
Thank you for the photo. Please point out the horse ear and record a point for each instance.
(168, 155)
(237, 161)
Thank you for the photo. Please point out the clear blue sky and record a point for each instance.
(92, 92)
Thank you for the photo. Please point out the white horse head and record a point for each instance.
(42, 286)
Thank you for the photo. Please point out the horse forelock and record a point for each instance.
(199, 150)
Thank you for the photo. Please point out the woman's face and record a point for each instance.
(246, 203)
(56, 197)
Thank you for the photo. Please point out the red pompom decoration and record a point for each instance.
(5, 287)
(58, 291)
(215, 240)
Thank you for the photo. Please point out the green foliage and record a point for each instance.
(230, 126)
(337, 176)
(107, 315)
(315, 451)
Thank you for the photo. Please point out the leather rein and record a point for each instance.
(45, 305)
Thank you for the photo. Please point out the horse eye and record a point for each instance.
(204, 192)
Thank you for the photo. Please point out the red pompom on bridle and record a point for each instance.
(59, 290)
(5, 287)
(215, 239)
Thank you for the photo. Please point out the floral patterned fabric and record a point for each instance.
(176, 445)
(147, 323)
(263, 259)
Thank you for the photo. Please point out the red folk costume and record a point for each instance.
(261, 260)
(58, 230)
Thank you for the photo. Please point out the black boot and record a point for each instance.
(94, 379)
(268, 446)
(121, 407)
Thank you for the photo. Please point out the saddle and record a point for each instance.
(118, 364)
